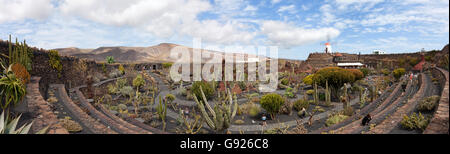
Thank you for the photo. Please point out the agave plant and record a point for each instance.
(10, 127)
(12, 89)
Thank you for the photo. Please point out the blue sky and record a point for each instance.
(296, 27)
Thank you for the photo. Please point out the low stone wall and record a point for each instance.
(93, 125)
(41, 110)
(440, 122)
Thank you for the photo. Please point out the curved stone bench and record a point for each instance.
(365, 110)
(102, 117)
(392, 121)
(439, 123)
(356, 126)
(122, 122)
(41, 110)
(79, 115)
(107, 117)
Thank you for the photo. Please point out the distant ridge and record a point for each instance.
(157, 53)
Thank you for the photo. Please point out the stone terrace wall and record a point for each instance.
(72, 74)
(440, 122)
(41, 110)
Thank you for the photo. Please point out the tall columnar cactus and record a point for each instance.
(10, 50)
(316, 94)
(219, 118)
(327, 94)
(19, 54)
(162, 111)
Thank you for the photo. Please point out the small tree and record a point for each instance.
(399, 72)
(336, 77)
(272, 103)
(365, 71)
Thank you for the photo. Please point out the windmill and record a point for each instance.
(328, 45)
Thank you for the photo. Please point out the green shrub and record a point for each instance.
(239, 122)
(415, 121)
(322, 96)
(289, 92)
(112, 89)
(428, 104)
(310, 92)
(110, 59)
(365, 71)
(318, 109)
(272, 103)
(12, 90)
(334, 119)
(121, 69)
(284, 81)
(115, 73)
(55, 61)
(357, 73)
(138, 81)
(121, 83)
(254, 110)
(127, 91)
(308, 79)
(399, 72)
(300, 104)
(207, 88)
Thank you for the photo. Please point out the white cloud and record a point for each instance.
(250, 8)
(16, 10)
(216, 32)
(163, 18)
(158, 17)
(288, 8)
(327, 15)
(275, 1)
(288, 35)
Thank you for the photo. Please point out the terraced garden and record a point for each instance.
(127, 98)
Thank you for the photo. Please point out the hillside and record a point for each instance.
(158, 53)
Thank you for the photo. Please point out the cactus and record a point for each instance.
(162, 112)
(316, 94)
(191, 127)
(327, 94)
(362, 98)
(19, 54)
(219, 118)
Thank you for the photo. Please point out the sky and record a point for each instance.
(296, 27)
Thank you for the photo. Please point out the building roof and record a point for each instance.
(350, 64)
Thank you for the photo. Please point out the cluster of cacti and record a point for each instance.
(162, 111)
(192, 126)
(316, 94)
(327, 94)
(19, 54)
(219, 118)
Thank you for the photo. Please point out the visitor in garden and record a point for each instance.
(366, 119)
(264, 118)
(303, 112)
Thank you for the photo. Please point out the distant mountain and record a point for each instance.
(158, 53)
